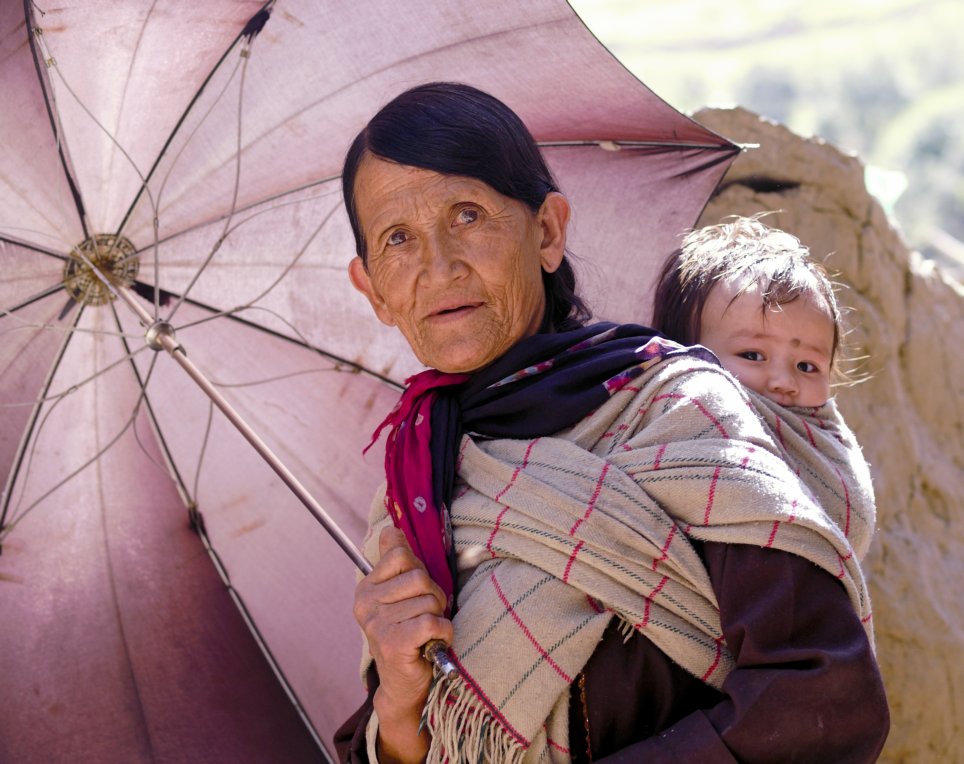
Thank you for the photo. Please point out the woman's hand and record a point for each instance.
(400, 608)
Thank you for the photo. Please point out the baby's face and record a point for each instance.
(783, 354)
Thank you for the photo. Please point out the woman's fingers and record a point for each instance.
(394, 601)
(414, 584)
(400, 608)
(398, 605)
(398, 591)
(399, 642)
(401, 572)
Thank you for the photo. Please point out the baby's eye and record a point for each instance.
(808, 368)
(466, 216)
(395, 238)
(751, 355)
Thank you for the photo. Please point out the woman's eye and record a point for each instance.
(751, 355)
(395, 238)
(466, 216)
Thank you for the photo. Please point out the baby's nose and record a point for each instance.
(783, 382)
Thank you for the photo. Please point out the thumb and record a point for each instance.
(391, 538)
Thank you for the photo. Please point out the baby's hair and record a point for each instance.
(743, 249)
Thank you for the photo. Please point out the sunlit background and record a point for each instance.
(880, 78)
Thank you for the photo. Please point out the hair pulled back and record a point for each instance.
(456, 129)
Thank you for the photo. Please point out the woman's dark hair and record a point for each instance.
(456, 129)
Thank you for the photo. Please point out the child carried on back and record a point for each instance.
(752, 295)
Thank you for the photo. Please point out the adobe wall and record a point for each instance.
(908, 414)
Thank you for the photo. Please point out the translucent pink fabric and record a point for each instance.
(119, 642)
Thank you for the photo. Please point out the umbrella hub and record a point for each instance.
(101, 256)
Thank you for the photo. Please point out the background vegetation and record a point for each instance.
(881, 78)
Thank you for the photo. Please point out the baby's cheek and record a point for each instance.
(748, 379)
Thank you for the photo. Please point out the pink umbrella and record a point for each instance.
(191, 158)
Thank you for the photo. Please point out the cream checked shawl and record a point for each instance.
(557, 535)
(824, 454)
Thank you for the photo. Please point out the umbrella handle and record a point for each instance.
(436, 652)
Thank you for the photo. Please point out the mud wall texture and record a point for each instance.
(907, 319)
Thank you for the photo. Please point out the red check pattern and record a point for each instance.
(559, 534)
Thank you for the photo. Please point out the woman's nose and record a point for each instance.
(441, 258)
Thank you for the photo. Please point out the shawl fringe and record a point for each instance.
(463, 730)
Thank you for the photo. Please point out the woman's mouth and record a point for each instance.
(453, 313)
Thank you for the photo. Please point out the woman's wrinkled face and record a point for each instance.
(456, 266)
(783, 353)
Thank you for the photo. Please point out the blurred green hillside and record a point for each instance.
(883, 79)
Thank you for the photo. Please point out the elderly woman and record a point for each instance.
(591, 516)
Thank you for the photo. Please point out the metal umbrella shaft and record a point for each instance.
(160, 336)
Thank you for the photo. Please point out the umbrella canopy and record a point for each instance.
(191, 152)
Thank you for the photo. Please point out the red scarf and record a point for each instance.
(409, 496)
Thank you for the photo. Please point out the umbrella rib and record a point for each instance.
(191, 504)
(177, 125)
(108, 133)
(155, 205)
(25, 324)
(33, 247)
(214, 102)
(145, 729)
(251, 306)
(301, 341)
(276, 378)
(29, 430)
(415, 57)
(234, 203)
(143, 448)
(20, 514)
(142, 382)
(204, 450)
(156, 222)
(258, 637)
(30, 301)
(32, 31)
(77, 385)
(253, 205)
(273, 284)
(616, 145)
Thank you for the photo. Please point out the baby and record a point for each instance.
(752, 295)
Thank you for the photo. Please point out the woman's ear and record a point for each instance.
(362, 281)
(553, 218)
